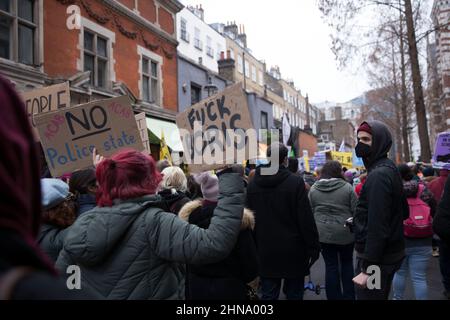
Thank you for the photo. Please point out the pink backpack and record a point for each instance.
(420, 222)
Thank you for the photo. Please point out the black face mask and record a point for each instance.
(362, 150)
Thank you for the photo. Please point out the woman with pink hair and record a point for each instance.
(129, 247)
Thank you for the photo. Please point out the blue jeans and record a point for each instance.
(293, 288)
(338, 269)
(416, 262)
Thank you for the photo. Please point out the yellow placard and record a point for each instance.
(344, 158)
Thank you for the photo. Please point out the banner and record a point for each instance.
(304, 164)
(164, 153)
(345, 158)
(357, 162)
(46, 99)
(69, 136)
(215, 131)
(286, 129)
(143, 130)
(441, 156)
(320, 159)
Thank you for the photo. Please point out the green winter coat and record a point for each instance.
(134, 250)
(333, 201)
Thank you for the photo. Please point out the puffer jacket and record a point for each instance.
(51, 240)
(333, 201)
(135, 250)
(225, 279)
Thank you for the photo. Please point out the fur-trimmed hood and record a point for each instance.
(248, 218)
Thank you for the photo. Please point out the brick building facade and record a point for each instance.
(120, 47)
(103, 48)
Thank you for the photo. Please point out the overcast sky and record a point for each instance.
(291, 34)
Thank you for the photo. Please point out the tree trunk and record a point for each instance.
(397, 105)
(417, 84)
(404, 97)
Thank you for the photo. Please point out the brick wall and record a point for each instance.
(61, 47)
(128, 3)
(166, 20)
(147, 9)
(307, 142)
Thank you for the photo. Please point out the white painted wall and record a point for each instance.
(188, 49)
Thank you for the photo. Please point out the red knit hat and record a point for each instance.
(365, 127)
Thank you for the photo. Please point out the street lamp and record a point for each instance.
(210, 88)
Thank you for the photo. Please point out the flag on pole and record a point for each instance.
(342, 147)
(286, 129)
(164, 153)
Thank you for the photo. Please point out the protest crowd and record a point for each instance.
(135, 228)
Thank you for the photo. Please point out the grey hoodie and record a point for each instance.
(333, 201)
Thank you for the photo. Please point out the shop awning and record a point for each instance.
(171, 133)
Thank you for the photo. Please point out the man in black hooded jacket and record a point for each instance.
(286, 235)
(378, 220)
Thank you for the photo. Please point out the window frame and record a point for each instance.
(253, 73)
(198, 87)
(264, 126)
(14, 25)
(153, 97)
(260, 78)
(94, 53)
(247, 69)
(209, 48)
(240, 62)
(184, 34)
(197, 41)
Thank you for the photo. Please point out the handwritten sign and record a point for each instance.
(68, 136)
(216, 119)
(344, 158)
(46, 99)
(143, 130)
(441, 157)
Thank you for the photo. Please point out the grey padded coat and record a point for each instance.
(134, 250)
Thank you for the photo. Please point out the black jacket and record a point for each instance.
(173, 201)
(382, 206)
(86, 202)
(226, 279)
(441, 223)
(286, 234)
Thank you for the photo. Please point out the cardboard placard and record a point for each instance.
(68, 136)
(46, 99)
(441, 156)
(344, 158)
(143, 130)
(225, 110)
